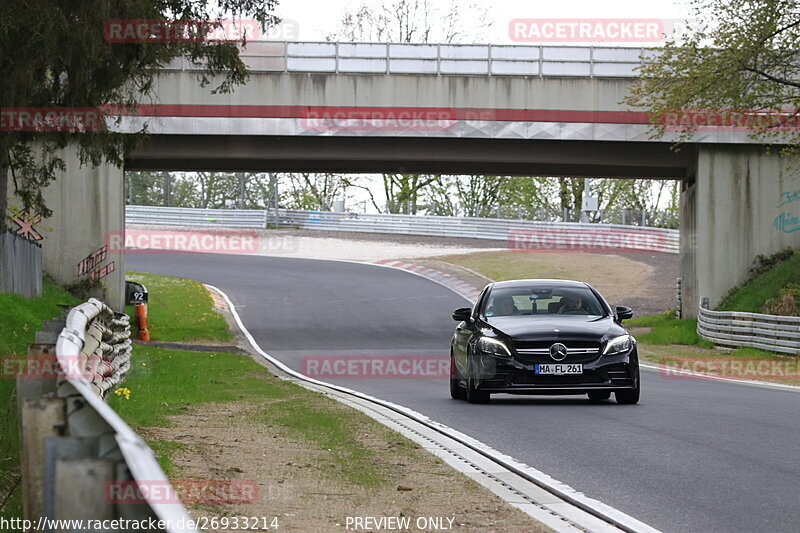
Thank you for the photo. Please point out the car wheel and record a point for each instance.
(457, 392)
(630, 396)
(600, 395)
(474, 395)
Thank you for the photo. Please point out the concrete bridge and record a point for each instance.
(525, 110)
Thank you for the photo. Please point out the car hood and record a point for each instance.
(525, 328)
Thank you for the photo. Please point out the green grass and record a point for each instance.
(666, 329)
(752, 296)
(20, 319)
(164, 382)
(179, 310)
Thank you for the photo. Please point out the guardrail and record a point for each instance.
(518, 234)
(774, 333)
(74, 446)
(437, 59)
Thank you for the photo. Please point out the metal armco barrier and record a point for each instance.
(517, 234)
(773, 333)
(75, 448)
(103, 345)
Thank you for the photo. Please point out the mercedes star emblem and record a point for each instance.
(558, 352)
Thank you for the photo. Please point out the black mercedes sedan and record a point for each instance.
(543, 336)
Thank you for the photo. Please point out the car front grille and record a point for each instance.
(577, 352)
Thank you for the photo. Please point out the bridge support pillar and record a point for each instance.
(743, 202)
(88, 203)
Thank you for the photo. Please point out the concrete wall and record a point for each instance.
(742, 207)
(86, 202)
(487, 92)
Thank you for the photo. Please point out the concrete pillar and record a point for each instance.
(87, 203)
(740, 205)
(688, 249)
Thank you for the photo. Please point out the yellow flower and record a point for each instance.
(123, 391)
(144, 364)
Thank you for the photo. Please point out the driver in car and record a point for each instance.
(572, 305)
(503, 306)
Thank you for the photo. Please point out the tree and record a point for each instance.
(477, 195)
(54, 55)
(308, 190)
(413, 21)
(404, 190)
(742, 59)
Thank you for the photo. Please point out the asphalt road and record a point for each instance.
(693, 456)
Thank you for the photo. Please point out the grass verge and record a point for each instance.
(179, 310)
(665, 328)
(772, 278)
(21, 318)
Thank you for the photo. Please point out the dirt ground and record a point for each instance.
(643, 281)
(298, 484)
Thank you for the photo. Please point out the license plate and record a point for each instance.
(558, 369)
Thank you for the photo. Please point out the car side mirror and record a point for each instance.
(624, 312)
(462, 314)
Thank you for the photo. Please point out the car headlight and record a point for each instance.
(617, 345)
(493, 346)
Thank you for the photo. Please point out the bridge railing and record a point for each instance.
(517, 234)
(773, 333)
(438, 59)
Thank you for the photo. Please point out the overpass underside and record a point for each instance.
(524, 157)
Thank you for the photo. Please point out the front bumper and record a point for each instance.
(511, 376)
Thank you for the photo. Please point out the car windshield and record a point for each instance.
(542, 300)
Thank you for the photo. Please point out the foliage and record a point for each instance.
(54, 54)
(215, 190)
(772, 286)
(740, 55)
(309, 190)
